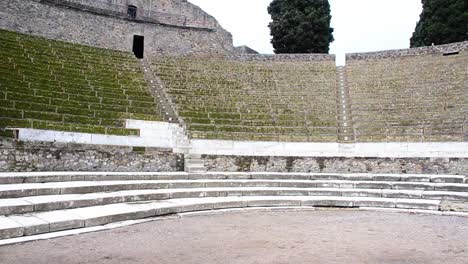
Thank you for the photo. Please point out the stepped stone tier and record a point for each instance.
(417, 95)
(234, 113)
(168, 26)
(52, 85)
(37, 203)
(254, 97)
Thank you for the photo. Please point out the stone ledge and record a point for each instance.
(101, 215)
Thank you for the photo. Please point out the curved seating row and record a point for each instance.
(35, 203)
(225, 98)
(416, 98)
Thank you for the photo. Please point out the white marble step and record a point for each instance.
(37, 223)
(39, 177)
(56, 188)
(68, 201)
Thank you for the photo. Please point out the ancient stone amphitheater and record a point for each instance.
(91, 135)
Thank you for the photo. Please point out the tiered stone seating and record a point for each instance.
(53, 85)
(35, 203)
(409, 98)
(226, 98)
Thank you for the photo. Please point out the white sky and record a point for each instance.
(360, 25)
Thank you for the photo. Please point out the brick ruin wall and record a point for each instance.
(169, 26)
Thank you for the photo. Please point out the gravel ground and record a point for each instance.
(328, 236)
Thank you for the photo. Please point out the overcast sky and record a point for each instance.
(360, 25)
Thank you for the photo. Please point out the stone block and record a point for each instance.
(402, 194)
(373, 185)
(11, 179)
(10, 228)
(386, 177)
(440, 195)
(187, 205)
(328, 202)
(50, 203)
(261, 192)
(61, 220)
(297, 184)
(101, 215)
(447, 179)
(230, 204)
(369, 202)
(415, 178)
(361, 193)
(221, 184)
(451, 187)
(293, 192)
(417, 204)
(413, 186)
(176, 194)
(32, 225)
(324, 192)
(15, 206)
(15, 193)
(271, 202)
(454, 206)
(186, 184)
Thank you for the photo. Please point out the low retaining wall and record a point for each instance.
(16, 156)
(314, 149)
(153, 134)
(336, 164)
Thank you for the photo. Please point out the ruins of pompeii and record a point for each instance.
(131, 109)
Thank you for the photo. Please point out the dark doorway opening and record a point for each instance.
(138, 46)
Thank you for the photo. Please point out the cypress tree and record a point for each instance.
(441, 22)
(300, 26)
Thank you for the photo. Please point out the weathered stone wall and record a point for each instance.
(255, 57)
(336, 164)
(285, 57)
(19, 156)
(107, 29)
(169, 12)
(430, 50)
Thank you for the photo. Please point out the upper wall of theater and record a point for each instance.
(388, 54)
(169, 26)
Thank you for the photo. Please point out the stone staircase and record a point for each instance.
(344, 113)
(37, 203)
(194, 164)
(166, 108)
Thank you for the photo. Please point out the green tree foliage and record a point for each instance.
(442, 22)
(300, 26)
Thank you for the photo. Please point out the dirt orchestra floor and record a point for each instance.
(256, 237)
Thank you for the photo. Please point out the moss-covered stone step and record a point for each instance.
(218, 95)
(70, 86)
(68, 118)
(69, 127)
(78, 101)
